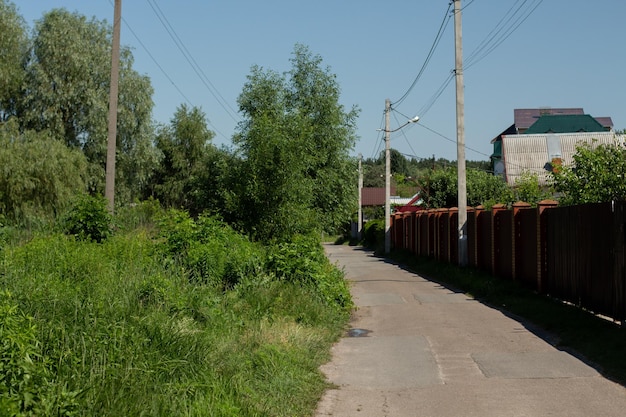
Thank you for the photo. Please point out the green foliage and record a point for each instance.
(596, 176)
(209, 250)
(13, 52)
(27, 386)
(185, 146)
(88, 219)
(38, 176)
(66, 93)
(122, 330)
(302, 261)
(528, 190)
(439, 188)
(374, 233)
(138, 215)
(296, 174)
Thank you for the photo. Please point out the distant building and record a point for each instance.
(537, 136)
(535, 153)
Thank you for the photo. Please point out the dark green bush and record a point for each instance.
(374, 233)
(88, 219)
(210, 250)
(303, 261)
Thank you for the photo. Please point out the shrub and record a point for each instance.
(88, 219)
(210, 250)
(303, 261)
(374, 233)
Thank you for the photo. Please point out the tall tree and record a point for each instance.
(294, 141)
(67, 89)
(13, 53)
(185, 145)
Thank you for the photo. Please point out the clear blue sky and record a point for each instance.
(567, 53)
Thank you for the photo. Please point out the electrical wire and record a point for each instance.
(509, 23)
(192, 62)
(502, 31)
(442, 27)
(154, 60)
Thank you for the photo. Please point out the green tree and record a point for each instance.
(439, 188)
(296, 174)
(597, 175)
(13, 53)
(38, 176)
(528, 190)
(373, 174)
(67, 93)
(185, 145)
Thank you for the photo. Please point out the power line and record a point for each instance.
(190, 59)
(503, 30)
(433, 47)
(509, 23)
(154, 60)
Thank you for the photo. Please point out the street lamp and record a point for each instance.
(388, 172)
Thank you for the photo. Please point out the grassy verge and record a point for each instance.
(193, 321)
(598, 341)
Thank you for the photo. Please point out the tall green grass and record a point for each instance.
(193, 320)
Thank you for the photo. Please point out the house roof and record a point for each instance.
(374, 196)
(525, 118)
(565, 123)
(531, 153)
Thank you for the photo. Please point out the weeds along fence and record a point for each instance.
(576, 253)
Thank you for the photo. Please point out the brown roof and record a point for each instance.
(374, 196)
(524, 118)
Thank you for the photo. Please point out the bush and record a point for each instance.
(88, 219)
(211, 251)
(302, 261)
(374, 234)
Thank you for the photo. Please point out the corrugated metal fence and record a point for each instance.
(576, 254)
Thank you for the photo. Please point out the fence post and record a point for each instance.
(472, 236)
(517, 242)
(542, 241)
(619, 255)
(495, 241)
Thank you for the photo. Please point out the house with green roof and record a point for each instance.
(548, 128)
(565, 123)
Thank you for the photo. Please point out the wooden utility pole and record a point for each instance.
(109, 189)
(359, 226)
(387, 179)
(460, 136)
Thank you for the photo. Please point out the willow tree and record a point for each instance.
(13, 53)
(67, 93)
(296, 174)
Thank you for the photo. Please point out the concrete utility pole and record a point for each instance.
(460, 136)
(387, 179)
(109, 188)
(359, 226)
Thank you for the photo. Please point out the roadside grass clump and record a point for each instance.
(302, 261)
(183, 319)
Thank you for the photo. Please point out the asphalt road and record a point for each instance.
(416, 348)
